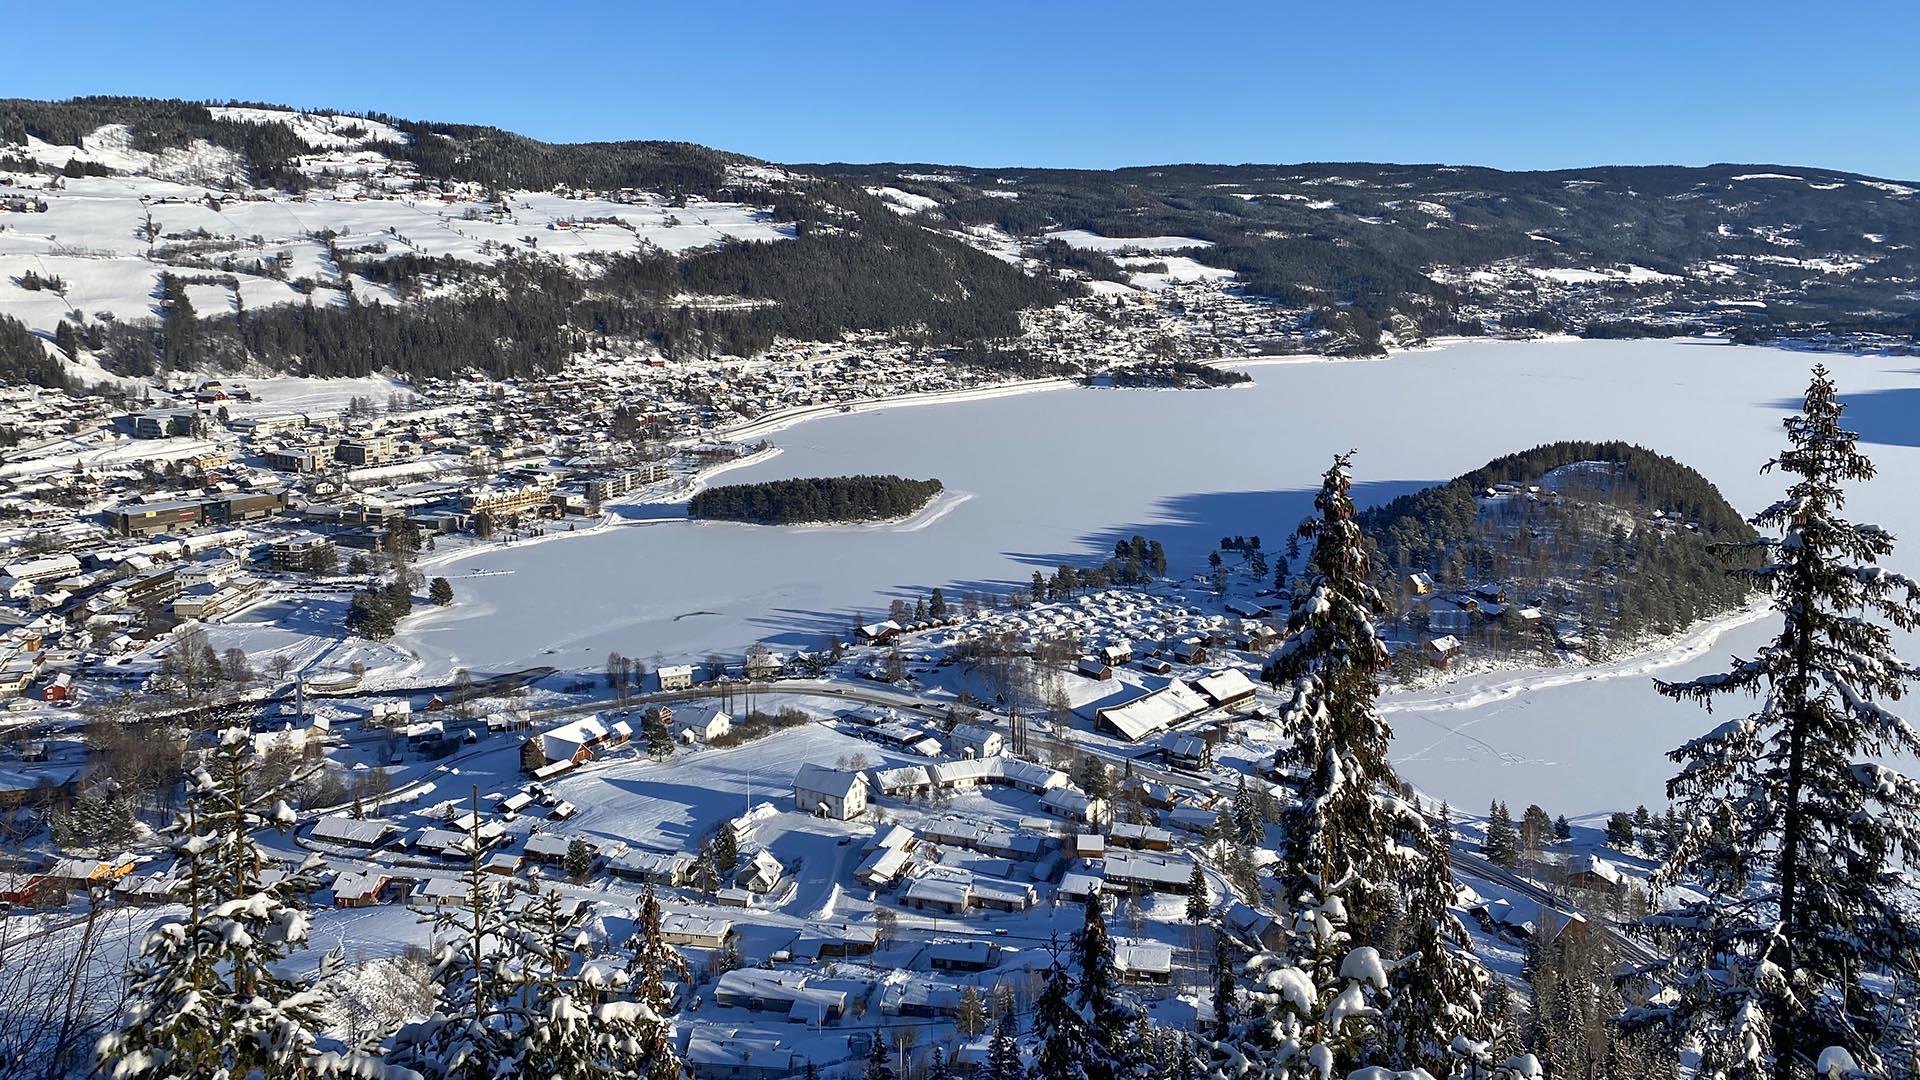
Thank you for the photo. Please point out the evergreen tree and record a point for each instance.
(653, 962)
(879, 1062)
(1620, 831)
(1068, 1050)
(1097, 994)
(1340, 828)
(440, 591)
(659, 735)
(970, 1017)
(207, 997)
(1309, 1012)
(1436, 989)
(1500, 846)
(578, 861)
(1226, 990)
(1771, 970)
(1197, 899)
(1003, 1053)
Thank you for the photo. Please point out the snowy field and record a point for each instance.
(1051, 478)
(108, 238)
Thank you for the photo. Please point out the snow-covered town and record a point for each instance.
(546, 584)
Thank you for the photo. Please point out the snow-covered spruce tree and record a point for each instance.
(1327, 675)
(1307, 1013)
(1110, 1017)
(1349, 825)
(520, 997)
(1436, 993)
(576, 1021)
(1772, 969)
(206, 998)
(1003, 1053)
(1067, 1046)
(461, 1039)
(879, 1062)
(653, 961)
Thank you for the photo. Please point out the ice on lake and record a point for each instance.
(1059, 475)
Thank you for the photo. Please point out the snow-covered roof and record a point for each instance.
(820, 780)
(1155, 712)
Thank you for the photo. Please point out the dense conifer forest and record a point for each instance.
(815, 499)
(1628, 539)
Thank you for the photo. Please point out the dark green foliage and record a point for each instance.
(1362, 235)
(1799, 825)
(1648, 578)
(267, 149)
(813, 499)
(1501, 845)
(97, 819)
(376, 610)
(1180, 373)
(440, 591)
(1620, 830)
(24, 359)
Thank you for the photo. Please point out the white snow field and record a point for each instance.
(1081, 238)
(1060, 475)
(95, 231)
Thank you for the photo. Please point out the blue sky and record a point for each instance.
(1541, 84)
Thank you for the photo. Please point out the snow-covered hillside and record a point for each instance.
(104, 240)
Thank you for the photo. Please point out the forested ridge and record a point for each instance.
(1628, 538)
(1371, 253)
(815, 499)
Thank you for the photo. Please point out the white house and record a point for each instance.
(977, 740)
(830, 792)
(676, 677)
(700, 725)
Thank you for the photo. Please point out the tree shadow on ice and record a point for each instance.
(1190, 526)
(1889, 417)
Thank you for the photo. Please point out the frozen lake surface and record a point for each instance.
(1059, 475)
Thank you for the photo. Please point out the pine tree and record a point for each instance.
(1436, 988)
(1197, 899)
(659, 734)
(1770, 970)
(1500, 846)
(1309, 1012)
(206, 998)
(1340, 829)
(462, 1038)
(653, 962)
(1068, 1050)
(1620, 831)
(1226, 990)
(879, 1062)
(578, 861)
(440, 591)
(1097, 994)
(970, 1017)
(1003, 1053)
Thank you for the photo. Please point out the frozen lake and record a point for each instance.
(1059, 475)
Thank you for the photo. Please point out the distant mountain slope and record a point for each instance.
(1767, 248)
(168, 234)
(1610, 537)
(244, 235)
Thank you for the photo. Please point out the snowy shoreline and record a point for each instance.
(1502, 683)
